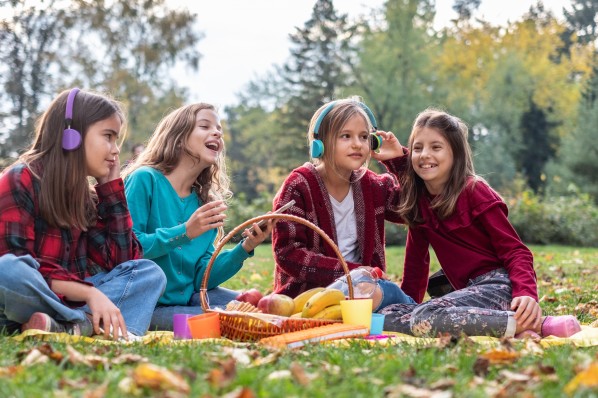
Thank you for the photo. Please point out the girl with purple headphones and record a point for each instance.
(340, 195)
(69, 259)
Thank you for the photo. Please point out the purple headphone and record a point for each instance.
(71, 138)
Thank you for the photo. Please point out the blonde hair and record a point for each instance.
(330, 127)
(66, 197)
(412, 186)
(168, 142)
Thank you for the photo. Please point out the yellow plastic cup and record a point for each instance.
(205, 326)
(357, 312)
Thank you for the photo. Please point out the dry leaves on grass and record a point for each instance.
(154, 377)
(224, 374)
(586, 379)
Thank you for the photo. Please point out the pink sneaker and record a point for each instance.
(44, 322)
(560, 326)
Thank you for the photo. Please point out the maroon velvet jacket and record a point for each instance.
(476, 239)
(303, 259)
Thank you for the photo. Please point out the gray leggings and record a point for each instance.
(480, 309)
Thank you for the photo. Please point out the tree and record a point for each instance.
(123, 47)
(30, 39)
(394, 73)
(466, 8)
(314, 74)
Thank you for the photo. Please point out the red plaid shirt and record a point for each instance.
(65, 254)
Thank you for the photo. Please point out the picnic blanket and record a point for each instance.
(587, 337)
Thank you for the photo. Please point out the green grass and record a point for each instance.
(568, 283)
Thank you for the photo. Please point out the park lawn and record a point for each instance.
(568, 284)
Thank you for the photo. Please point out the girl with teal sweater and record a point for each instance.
(177, 191)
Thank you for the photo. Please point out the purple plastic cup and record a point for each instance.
(180, 326)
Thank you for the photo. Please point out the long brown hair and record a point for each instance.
(167, 144)
(66, 197)
(413, 188)
(330, 127)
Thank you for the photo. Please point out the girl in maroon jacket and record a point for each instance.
(465, 221)
(341, 196)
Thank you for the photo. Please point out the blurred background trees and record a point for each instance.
(528, 90)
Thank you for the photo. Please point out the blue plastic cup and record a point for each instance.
(377, 324)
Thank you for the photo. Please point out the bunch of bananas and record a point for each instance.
(319, 303)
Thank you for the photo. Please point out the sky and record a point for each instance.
(243, 39)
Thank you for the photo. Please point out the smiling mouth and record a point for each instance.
(428, 166)
(213, 146)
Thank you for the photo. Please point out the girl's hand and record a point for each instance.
(528, 313)
(208, 216)
(113, 174)
(391, 147)
(106, 315)
(255, 235)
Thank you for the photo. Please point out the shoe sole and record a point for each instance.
(39, 321)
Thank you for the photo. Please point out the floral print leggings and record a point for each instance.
(480, 309)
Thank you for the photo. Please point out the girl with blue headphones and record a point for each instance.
(338, 193)
(69, 260)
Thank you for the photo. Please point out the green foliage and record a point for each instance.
(568, 220)
(394, 74)
(122, 47)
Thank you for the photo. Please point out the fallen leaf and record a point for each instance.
(34, 357)
(224, 375)
(299, 374)
(480, 367)
(159, 378)
(408, 390)
(128, 358)
(587, 378)
(279, 374)
(241, 392)
(512, 376)
(500, 356)
(98, 392)
(10, 370)
(76, 358)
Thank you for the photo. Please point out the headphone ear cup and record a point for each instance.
(71, 139)
(375, 142)
(317, 149)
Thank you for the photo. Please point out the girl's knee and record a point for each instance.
(23, 270)
(153, 271)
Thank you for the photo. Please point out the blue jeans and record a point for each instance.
(163, 314)
(133, 286)
(392, 294)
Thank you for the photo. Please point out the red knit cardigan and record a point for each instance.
(303, 259)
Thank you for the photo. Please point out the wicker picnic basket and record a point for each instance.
(251, 326)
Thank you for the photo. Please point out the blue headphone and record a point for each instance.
(317, 146)
(71, 138)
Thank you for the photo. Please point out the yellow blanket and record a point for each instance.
(587, 337)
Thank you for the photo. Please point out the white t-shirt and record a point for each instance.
(346, 227)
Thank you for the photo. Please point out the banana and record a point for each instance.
(301, 299)
(332, 312)
(296, 315)
(321, 300)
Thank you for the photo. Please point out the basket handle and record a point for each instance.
(204, 282)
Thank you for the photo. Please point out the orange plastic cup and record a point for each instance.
(205, 326)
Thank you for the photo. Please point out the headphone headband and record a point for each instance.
(317, 145)
(331, 105)
(71, 138)
(70, 101)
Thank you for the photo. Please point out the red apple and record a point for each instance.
(277, 304)
(251, 296)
